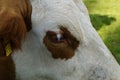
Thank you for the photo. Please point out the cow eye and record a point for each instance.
(56, 38)
(62, 44)
(62, 38)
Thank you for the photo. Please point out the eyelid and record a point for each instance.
(55, 38)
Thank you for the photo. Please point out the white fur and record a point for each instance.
(92, 60)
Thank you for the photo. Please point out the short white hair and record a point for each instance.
(92, 59)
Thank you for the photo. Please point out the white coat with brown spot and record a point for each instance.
(91, 60)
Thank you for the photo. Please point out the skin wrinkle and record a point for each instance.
(98, 73)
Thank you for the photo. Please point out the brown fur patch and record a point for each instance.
(15, 21)
(64, 49)
(7, 68)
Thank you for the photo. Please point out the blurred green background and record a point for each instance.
(105, 17)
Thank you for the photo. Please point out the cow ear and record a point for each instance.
(27, 17)
(12, 28)
(17, 31)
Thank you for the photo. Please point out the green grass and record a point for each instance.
(105, 17)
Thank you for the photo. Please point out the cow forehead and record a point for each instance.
(62, 6)
(52, 13)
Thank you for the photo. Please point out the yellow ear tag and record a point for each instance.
(8, 47)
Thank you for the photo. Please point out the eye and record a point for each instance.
(61, 44)
(56, 38)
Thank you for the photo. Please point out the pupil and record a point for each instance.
(56, 38)
(62, 38)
